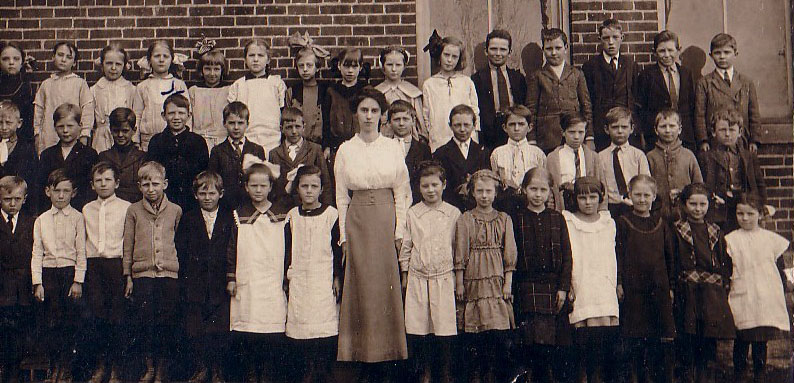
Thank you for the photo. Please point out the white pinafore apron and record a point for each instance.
(260, 305)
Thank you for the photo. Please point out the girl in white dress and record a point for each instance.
(209, 97)
(150, 94)
(393, 60)
(258, 304)
(314, 268)
(447, 89)
(756, 283)
(594, 277)
(263, 93)
(110, 92)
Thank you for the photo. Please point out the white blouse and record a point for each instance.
(109, 95)
(372, 165)
(756, 281)
(440, 95)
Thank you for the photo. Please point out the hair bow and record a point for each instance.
(204, 45)
(390, 49)
(98, 62)
(177, 61)
(433, 45)
(143, 63)
(291, 178)
(251, 160)
(30, 63)
(305, 41)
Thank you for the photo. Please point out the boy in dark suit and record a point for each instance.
(461, 156)
(729, 169)
(611, 78)
(202, 240)
(124, 155)
(557, 88)
(293, 152)
(666, 85)
(402, 119)
(16, 240)
(182, 152)
(70, 154)
(498, 88)
(20, 158)
(725, 87)
(226, 158)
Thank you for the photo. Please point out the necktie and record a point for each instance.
(671, 89)
(619, 179)
(504, 97)
(464, 149)
(293, 151)
(237, 150)
(577, 164)
(518, 164)
(614, 64)
(10, 222)
(727, 78)
(402, 145)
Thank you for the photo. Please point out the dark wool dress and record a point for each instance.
(543, 268)
(645, 262)
(705, 271)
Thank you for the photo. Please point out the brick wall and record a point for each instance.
(38, 24)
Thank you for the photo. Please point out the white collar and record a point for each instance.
(722, 72)
(211, 214)
(108, 200)
(673, 68)
(609, 58)
(517, 143)
(297, 145)
(460, 143)
(58, 77)
(623, 147)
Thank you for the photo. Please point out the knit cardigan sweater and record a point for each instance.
(149, 250)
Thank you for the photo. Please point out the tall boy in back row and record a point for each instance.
(498, 88)
(726, 87)
(611, 79)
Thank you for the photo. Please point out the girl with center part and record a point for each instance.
(372, 186)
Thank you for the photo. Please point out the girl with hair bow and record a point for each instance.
(308, 95)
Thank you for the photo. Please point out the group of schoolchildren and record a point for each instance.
(560, 250)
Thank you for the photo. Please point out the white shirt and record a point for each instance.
(558, 69)
(495, 86)
(632, 162)
(209, 220)
(463, 146)
(512, 160)
(729, 71)
(372, 165)
(14, 220)
(59, 241)
(292, 149)
(440, 95)
(405, 144)
(676, 78)
(568, 164)
(104, 227)
(609, 58)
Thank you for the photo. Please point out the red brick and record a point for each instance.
(103, 12)
(271, 10)
(316, 20)
(618, 5)
(283, 20)
(643, 26)
(128, 33)
(242, 10)
(237, 32)
(70, 12)
(367, 8)
(303, 9)
(56, 23)
(39, 34)
(400, 30)
(400, 8)
(345, 19)
(335, 9)
(151, 22)
(204, 11)
(10, 35)
(383, 19)
(105, 33)
(118, 23)
(137, 11)
(169, 32)
(23, 23)
(645, 5)
(580, 5)
(36, 13)
(170, 11)
(218, 21)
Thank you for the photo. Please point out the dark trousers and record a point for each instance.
(651, 359)
(14, 327)
(262, 354)
(104, 293)
(314, 359)
(61, 313)
(487, 353)
(156, 301)
(548, 363)
(696, 353)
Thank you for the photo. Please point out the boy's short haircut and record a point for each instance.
(8, 106)
(177, 99)
(696, 188)
(618, 113)
(291, 114)
(644, 179)
(610, 24)
(103, 166)
(551, 34)
(122, 116)
(520, 111)
(571, 118)
(722, 40)
(463, 109)
(206, 179)
(10, 183)
(151, 169)
(213, 57)
(665, 36)
(236, 108)
(67, 110)
(728, 114)
(401, 106)
(57, 176)
(666, 113)
(499, 34)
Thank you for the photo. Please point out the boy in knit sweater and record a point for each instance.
(151, 267)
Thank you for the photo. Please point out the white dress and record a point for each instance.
(264, 96)
(594, 276)
(208, 104)
(260, 305)
(755, 282)
(440, 95)
(109, 95)
(150, 94)
(312, 309)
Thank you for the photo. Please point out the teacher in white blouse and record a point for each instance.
(372, 186)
